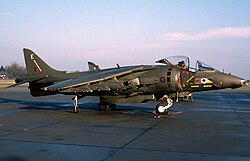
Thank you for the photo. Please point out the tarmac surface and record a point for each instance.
(216, 126)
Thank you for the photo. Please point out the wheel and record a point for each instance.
(104, 106)
(161, 109)
(76, 109)
(112, 106)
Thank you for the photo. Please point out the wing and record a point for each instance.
(94, 78)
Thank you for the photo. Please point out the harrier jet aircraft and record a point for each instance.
(130, 84)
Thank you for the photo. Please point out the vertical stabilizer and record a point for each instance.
(35, 66)
(93, 67)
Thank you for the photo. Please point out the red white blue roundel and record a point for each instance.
(203, 81)
(162, 79)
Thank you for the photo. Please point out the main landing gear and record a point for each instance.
(103, 106)
(162, 108)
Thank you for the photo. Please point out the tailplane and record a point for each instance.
(38, 74)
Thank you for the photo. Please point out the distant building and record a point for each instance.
(3, 75)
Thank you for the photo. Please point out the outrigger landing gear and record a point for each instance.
(177, 96)
(75, 102)
(162, 108)
(103, 106)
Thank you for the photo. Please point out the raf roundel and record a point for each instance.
(162, 79)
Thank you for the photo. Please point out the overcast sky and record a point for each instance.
(67, 34)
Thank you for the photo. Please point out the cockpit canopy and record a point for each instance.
(178, 60)
(200, 66)
(183, 62)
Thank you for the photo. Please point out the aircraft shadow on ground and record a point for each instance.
(84, 105)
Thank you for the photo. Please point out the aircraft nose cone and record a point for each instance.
(235, 82)
(244, 82)
(230, 81)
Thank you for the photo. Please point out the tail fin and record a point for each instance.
(93, 67)
(35, 66)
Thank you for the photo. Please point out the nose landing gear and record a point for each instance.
(166, 103)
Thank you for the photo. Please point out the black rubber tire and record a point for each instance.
(77, 110)
(104, 106)
(112, 106)
(158, 110)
